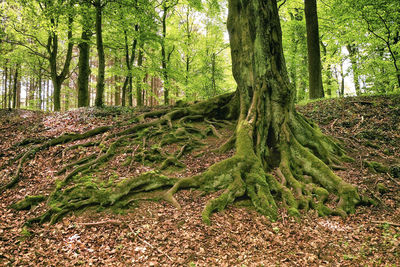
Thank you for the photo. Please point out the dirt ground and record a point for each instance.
(158, 234)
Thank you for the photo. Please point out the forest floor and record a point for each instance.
(158, 234)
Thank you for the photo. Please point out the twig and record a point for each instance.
(333, 124)
(391, 178)
(384, 222)
(150, 245)
(115, 222)
(375, 196)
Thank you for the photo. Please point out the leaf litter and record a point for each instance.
(157, 234)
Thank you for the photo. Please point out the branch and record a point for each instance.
(29, 35)
(67, 62)
(384, 222)
(27, 47)
(279, 7)
(371, 31)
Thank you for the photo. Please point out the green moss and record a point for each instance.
(293, 212)
(127, 161)
(28, 202)
(321, 193)
(171, 161)
(346, 158)
(376, 166)
(381, 188)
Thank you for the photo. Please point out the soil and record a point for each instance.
(158, 234)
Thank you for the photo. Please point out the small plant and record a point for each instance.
(25, 233)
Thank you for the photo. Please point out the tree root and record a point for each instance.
(53, 142)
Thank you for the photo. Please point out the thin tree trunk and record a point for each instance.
(16, 77)
(314, 57)
(39, 104)
(5, 86)
(19, 94)
(84, 66)
(139, 99)
(10, 82)
(164, 55)
(101, 56)
(352, 54)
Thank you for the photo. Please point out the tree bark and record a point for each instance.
(5, 86)
(352, 54)
(101, 56)
(83, 63)
(314, 56)
(139, 99)
(52, 49)
(15, 88)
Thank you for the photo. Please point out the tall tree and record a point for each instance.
(84, 56)
(15, 86)
(99, 5)
(314, 55)
(166, 55)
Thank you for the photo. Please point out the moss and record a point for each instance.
(28, 202)
(378, 167)
(127, 161)
(395, 171)
(346, 158)
(348, 197)
(171, 161)
(293, 212)
(381, 188)
(321, 193)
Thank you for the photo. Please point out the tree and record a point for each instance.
(99, 6)
(57, 17)
(314, 55)
(279, 155)
(84, 56)
(166, 55)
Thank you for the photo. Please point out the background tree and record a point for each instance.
(314, 54)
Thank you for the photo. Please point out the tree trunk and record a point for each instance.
(101, 56)
(84, 67)
(19, 94)
(164, 55)
(314, 56)
(352, 54)
(5, 86)
(10, 82)
(39, 103)
(117, 93)
(139, 99)
(15, 88)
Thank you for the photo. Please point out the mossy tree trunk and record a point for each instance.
(84, 56)
(100, 52)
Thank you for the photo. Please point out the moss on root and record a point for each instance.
(28, 202)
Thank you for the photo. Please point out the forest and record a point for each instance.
(58, 55)
(200, 132)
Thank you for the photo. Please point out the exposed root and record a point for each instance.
(53, 142)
